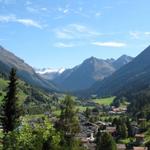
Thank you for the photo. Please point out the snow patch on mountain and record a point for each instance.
(49, 70)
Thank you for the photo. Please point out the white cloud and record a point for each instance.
(109, 44)
(31, 9)
(26, 22)
(75, 31)
(63, 35)
(139, 35)
(60, 9)
(135, 35)
(7, 2)
(10, 18)
(28, 2)
(147, 33)
(108, 7)
(29, 22)
(98, 14)
(44, 9)
(65, 11)
(79, 28)
(63, 45)
(36, 10)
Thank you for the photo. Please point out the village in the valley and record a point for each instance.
(129, 134)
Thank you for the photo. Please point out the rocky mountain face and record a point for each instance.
(132, 77)
(24, 71)
(121, 61)
(84, 75)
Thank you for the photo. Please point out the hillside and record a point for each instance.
(24, 71)
(132, 77)
(32, 99)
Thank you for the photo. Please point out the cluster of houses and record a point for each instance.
(117, 111)
(89, 130)
(110, 109)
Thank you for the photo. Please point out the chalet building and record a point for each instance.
(139, 138)
(134, 127)
(135, 130)
(121, 147)
(111, 130)
(134, 123)
(141, 120)
(91, 139)
(88, 142)
(90, 146)
(101, 123)
(117, 111)
(140, 148)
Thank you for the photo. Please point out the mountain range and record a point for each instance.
(132, 77)
(24, 71)
(84, 75)
(102, 77)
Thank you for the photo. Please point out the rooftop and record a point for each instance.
(139, 135)
(140, 148)
(121, 146)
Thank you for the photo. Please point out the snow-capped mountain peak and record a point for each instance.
(49, 70)
(49, 73)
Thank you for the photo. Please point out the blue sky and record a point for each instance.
(62, 33)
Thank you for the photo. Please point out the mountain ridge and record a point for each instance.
(9, 60)
(87, 73)
(133, 76)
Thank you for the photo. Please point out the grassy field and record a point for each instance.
(126, 141)
(80, 109)
(1, 96)
(104, 101)
(124, 104)
(83, 108)
(3, 83)
(57, 113)
(30, 117)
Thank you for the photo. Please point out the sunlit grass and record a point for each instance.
(83, 108)
(104, 101)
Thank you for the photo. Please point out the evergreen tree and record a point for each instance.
(105, 142)
(68, 123)
(98, 137)
(87, 112)
(10, 112)
(124, 132)
(129, 127)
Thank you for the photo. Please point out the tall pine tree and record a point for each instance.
(105, 141)
(10, 112)
(68, 123)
